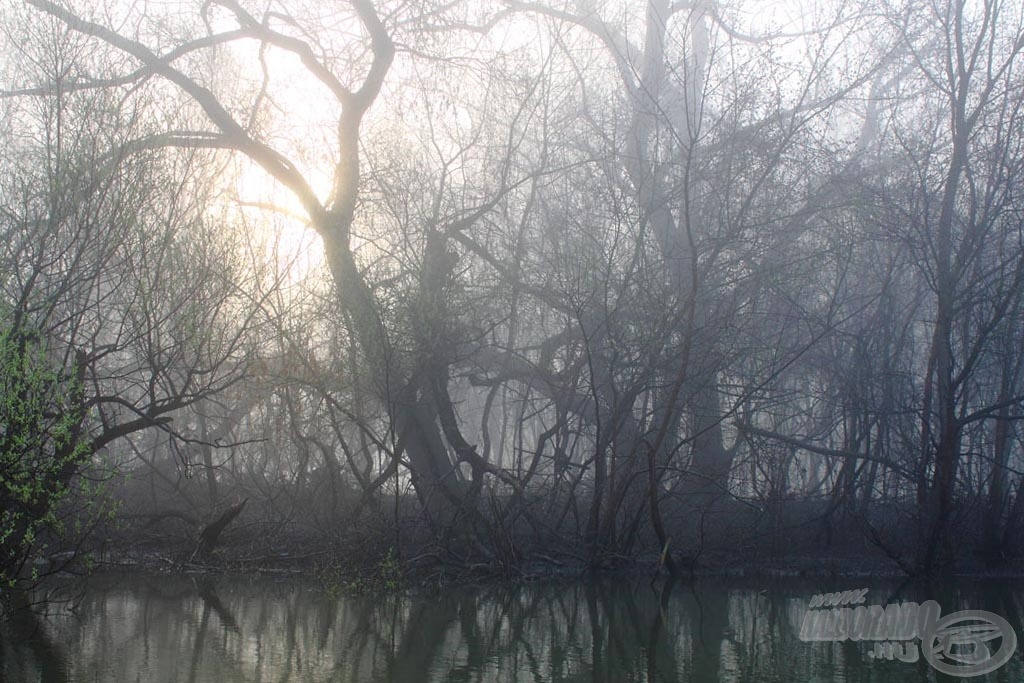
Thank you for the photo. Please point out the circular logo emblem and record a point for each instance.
(961, 643)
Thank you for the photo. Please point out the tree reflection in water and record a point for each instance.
(232, 629)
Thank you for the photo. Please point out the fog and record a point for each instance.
(511, 288)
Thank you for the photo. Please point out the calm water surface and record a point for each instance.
(121, 628)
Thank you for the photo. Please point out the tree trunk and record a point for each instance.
(210, 534)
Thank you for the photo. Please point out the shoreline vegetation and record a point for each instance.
(359, 566)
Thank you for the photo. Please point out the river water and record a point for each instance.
(119, 628)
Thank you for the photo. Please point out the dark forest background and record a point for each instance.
(500, 285)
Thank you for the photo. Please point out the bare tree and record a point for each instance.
(122, 304)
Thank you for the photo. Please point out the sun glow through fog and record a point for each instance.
(294, 112)
(276, 219)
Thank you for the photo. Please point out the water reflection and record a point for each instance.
(173, 628)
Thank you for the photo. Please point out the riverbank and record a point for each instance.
(342, 572)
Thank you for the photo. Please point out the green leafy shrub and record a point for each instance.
(41, 448)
